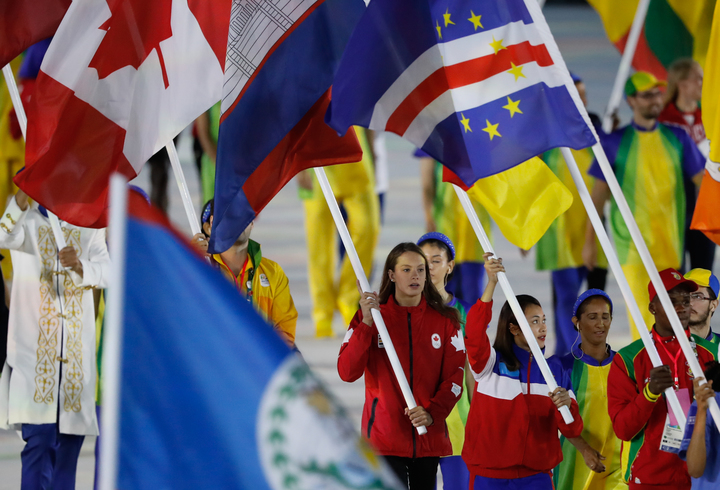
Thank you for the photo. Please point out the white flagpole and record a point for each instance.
(625, 64)
(22, 120)
(365, 286)
(512, 301)
(617, 271)
(112, 345)
(183, 188)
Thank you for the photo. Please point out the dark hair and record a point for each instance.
(442, 246)
(712, 373)
(504, 339)
(432, 297)
(584, 305)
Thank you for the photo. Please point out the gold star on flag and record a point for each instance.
(497, 45)
(475, 19)
(446, 16)
(465, 122)
(437, 26)
(491, 129)
(516, 70)
(512, 106)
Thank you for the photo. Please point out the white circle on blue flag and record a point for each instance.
(306, 441)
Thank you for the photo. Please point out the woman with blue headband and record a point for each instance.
(591, 461)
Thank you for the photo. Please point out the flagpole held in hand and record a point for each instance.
(617, 271)
(365, 286)
(625, 64)
(22, 120)
(512, 300)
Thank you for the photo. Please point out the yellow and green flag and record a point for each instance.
(673, 29)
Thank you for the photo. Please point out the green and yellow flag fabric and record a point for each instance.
(673, 29)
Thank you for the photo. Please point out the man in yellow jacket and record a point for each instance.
(261, 280)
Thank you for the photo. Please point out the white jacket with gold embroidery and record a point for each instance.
(51, 339)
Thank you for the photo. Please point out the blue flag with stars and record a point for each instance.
(479, 85)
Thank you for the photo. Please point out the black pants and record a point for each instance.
(417, 473)
(701, 250)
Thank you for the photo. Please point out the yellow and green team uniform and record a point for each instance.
(562, 244)
(560, 248)
(651, 167)
(589, 383)
(354, 187)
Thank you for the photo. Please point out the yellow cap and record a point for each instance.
(704, 278)
(641, 81)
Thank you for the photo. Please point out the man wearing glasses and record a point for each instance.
(652, 162)
(636, 404)
(703, 304)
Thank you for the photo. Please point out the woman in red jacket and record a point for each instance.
(426, 336)
(511, 435)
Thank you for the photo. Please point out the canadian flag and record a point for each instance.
(121, 78)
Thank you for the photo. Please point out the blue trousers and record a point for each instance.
(566, 285)
(466, 282)
(455, 474)
(49, 458)
(541, 481)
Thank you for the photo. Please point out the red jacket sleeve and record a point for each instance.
(572, 430)
(453, 374)
(629, 410)
(476, 338)
(355, 349)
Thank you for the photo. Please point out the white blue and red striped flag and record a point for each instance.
(281, 59)
(477, 84)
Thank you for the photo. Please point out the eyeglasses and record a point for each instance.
(649, 95)
(699, 297)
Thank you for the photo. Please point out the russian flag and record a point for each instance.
(209, 395)
(478, 85)
(281, 59)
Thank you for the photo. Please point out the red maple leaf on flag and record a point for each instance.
(135, 28)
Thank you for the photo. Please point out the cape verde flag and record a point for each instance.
(281, 59)
(210, 395)
(477, 84)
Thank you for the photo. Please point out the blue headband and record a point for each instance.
(589, 294)
(434, 235)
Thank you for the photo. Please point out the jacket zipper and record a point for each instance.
(411, 377)
(529, 366)
(372, 416)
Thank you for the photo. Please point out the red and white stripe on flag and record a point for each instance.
(118, 82)
(461, 75)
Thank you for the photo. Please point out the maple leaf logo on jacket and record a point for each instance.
(135, 28)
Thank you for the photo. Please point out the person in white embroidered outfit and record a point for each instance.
(47, 388)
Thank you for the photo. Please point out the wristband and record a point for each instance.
(650, 396)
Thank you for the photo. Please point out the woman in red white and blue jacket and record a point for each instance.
(511, 436)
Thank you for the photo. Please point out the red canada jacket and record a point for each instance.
(432, 353)
(638, 418)
(512, 427)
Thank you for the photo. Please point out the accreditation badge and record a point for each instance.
(672, 435)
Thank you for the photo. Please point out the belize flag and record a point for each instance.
(281, 59)
(479, 85)
(210, 396)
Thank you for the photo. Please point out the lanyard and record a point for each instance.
(238, 284)
(659, 341)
